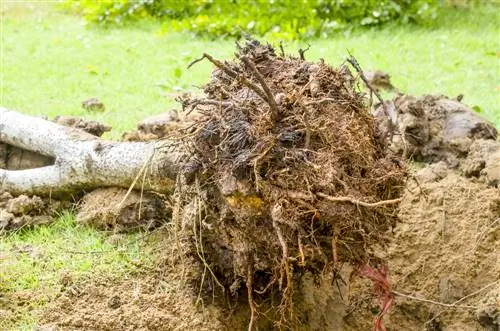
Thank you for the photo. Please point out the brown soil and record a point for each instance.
(145, 302)
(444, 248)
(437, 128)
(118, 210)
(21, 211)
(168, 298)
(154, 127)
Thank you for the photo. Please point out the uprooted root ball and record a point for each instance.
(295, 176)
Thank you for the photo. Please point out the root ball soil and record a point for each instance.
(295, 176)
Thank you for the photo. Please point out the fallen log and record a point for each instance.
(83, 161)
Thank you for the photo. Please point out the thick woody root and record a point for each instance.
(295, 174)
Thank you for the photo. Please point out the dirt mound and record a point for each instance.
(168, 297)
(295, 176)
(445, 248)
(119, 210)
(20, 211)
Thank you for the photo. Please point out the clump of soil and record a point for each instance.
(295, 176)
(379, 80)
(483, 162)
(93, 127)
(93, 105)
(437, 128)
(23, 210)
(119, 210)
(154, 127)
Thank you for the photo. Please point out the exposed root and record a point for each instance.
(382, 288)
(251, 303)
(269, 94)
(359, 202)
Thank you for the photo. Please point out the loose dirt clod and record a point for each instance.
(379, 80)
(93, 127)
(20, 211)
(157, 127)
(114, 208)
(93, 105)
(437, 128)
(295, 176)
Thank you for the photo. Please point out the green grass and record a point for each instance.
(34, 260)
(51, 62)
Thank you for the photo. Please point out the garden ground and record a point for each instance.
(51, 62)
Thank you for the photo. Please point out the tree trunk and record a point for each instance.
(83, 161)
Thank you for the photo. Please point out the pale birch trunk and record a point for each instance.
(83, 161)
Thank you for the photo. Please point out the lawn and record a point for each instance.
(51, 62)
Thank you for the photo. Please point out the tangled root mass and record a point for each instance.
(296, 178)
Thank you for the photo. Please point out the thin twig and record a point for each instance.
(199, 246)
(352, 60)
(302, 52)
(233, 74)
(483, 233)
(287, 293)
(192, 63)
(223, 103)
(321, 101)
(448, 305)
(249, 283)
(358, 202)
(282, 49)
(477, 292)
(464, 298)
(270, 98)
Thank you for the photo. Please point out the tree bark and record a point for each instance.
(83, 161)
